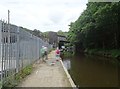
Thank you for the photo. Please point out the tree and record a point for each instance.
(97, 26)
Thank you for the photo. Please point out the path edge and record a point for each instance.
(68, 75)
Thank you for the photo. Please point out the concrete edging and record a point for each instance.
(68, 75)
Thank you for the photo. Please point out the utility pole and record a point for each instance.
(8, 17)
(9, 61)
(8, 26)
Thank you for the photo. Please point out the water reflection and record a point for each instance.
(92, 71)
(67, 64)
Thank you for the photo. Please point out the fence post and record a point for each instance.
(1, 61)
(17, 56)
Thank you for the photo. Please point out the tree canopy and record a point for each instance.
(97, 27)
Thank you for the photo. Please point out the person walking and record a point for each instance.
(57, 53)
(42, 51)
(46, 53)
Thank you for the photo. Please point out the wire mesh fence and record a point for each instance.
(18, 48)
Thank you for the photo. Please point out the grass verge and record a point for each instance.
(14, 80)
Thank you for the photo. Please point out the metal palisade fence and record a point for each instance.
(18, 48)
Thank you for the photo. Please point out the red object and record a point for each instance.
(57, 52)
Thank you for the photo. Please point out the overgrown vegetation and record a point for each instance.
(97, 28)
(23, 73)
(14, 80)
(67, 54)
(106, 53)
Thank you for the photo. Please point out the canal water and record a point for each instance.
(93, 71)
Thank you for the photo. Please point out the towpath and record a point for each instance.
(47, 75)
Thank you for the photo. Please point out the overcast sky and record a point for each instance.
(44, 15)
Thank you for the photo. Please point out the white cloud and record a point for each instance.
(44, 15)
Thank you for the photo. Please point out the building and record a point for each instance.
(61, 40)
(53, 39)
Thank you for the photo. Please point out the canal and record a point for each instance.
(93, 71)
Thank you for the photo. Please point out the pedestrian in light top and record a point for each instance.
(42, 52)
(46, 52)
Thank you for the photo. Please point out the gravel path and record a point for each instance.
(47, 75)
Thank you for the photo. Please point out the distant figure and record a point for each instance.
(57, 53)
(46, 52)
(42, 51)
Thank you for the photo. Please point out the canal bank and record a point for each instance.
(113, 53)
(49, 74)
(93, 71)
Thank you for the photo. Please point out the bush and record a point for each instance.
(115, 53)
(14, 80)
